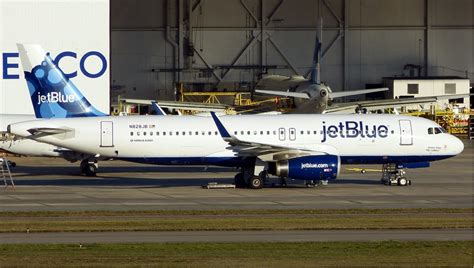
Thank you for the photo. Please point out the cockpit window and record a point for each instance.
(443, 130)
(438, 130)
(430, 130)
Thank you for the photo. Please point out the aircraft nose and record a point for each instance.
(457, 145)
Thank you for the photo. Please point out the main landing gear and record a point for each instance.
(393, 175)
(245, 179)
(89, 167)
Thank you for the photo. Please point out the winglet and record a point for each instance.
(157, 108)
(224, 133)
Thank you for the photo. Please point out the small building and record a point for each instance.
(410, 87)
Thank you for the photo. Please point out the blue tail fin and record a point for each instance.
(53, 94)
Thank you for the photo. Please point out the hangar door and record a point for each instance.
(106, 134)
(406, 134)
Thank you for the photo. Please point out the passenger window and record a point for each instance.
(241, 133)
(190, 133)
(131, 134)
(171, 133)
(164, 133)
(268, 132)
(261, 132)
(248, 132)
(430, 131)
(274, 132)
(144, 133)
(138, 133)
(184, 133)
(302, 132)
(209, 133)
(215, 133)
(315, 132)
(308, 132)
(151, 133)
(235, 132)
(157, 133)
(197, 133)
(177, 133)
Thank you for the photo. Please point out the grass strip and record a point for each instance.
(232, 212)
(308, 254)
(238, 222)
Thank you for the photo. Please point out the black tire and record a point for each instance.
(239, 180)
(90, 170)
(256, 182)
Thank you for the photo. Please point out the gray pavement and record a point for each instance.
(237, 236)
(53, 184)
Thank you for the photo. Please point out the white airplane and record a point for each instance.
(305, 147)
(53, 95)
(313, 96)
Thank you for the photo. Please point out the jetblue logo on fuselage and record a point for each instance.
(56, 97)
(353, 129)
(10, 64)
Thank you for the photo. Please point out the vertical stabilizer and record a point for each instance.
(53, 95)
(316, 67)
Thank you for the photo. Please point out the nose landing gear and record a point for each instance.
(89, 167)
(393, 175)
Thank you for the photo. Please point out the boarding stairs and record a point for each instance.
(5, 171)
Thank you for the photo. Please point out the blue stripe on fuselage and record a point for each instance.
(238, 161)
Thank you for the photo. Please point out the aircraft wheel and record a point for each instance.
(256, 182)
(90, 170)
(239, 180)
(402, 181)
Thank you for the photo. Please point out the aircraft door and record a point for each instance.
(106, 134)
(406, 134)
(292, 134)
(282, 134)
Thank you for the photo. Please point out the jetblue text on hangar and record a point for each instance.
(9, 64)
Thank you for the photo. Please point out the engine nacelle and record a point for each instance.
(313, 167)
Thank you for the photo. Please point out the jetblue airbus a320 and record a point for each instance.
(304, 147)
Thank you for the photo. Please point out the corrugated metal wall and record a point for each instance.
(365, 40)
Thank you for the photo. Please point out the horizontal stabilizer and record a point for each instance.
(334, 95)
(284, 93)
(47, 131)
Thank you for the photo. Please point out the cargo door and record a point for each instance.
(106, 134)
(406, 134)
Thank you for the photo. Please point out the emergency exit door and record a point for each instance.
(406, 134)
(106, 134)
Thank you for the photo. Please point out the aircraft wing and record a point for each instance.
(284, 93)
(275, 152)
(279, 82)
(334, 95)
(382, 104)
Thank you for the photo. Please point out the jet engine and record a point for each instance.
(312, 167)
